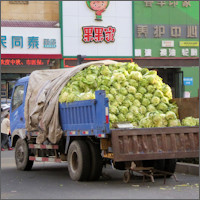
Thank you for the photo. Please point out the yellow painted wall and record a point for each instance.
(33, 11)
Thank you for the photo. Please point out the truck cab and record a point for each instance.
(17, 109)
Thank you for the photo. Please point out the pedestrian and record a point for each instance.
(5, 131)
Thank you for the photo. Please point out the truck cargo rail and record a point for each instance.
(155, 143)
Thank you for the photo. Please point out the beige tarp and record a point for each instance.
(41, 104)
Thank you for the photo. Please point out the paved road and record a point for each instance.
(52, 181)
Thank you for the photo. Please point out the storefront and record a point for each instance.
(25, 50)
(167, 39)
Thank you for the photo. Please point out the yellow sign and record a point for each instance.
(189, 43)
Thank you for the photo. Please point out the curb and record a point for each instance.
(187, 168)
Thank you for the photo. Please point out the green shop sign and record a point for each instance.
(166, 28)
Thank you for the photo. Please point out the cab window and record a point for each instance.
(18, 95)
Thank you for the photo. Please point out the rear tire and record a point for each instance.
(156, 164)
(79, 161)
(22, 153)
(96, 162)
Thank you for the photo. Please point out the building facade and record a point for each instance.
(30, 40)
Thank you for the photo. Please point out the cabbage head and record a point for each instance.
(110, 97)
(118, 77)
(134, 83)
(148, 96)
(119, 98)
(127, 103)
(138, 95)
(142, 90)
(170, 115)
(163, 107)
(165, 100)
(112, 118)
(131, 89)
(63, 97)
(116, 85)
(151, 108)
(136, 103)
(113, 110)
(167, 91)
(130, 97)
(145, 102)
(130, 117)
(150, 89)
(123, 109)
(158, 93)
(146, 123)
(135, 75)
(174, 122)
(155, 100)
(121, 118)
(134, 110)
(113, 91)
(104, 70)
(189, 121)
(123, 91)
(142, 110)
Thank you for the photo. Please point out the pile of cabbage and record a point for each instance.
(136, 95)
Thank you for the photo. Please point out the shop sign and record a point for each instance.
(97, 28)
(20, 40)
(98, 34)
(188, 80)
(168, 28)
(167, 43)
(189, 43)
(185, 4)
(25, 62)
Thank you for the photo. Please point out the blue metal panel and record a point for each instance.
(17, 120)
(88, 115)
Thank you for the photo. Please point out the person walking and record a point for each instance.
(5, 130)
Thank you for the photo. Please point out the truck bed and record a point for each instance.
(155, 143)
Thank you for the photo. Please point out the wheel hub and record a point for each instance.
(20, 154)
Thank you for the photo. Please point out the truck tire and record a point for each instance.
(170, 166)
(22, 155)
(156, 164)
(96, 162)
(79, 161)
(120, 165)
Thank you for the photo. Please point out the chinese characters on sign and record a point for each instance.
(185, 4)
(186, 52)
(32, 42)
(98, 34)
(24, 62)
(160, 31)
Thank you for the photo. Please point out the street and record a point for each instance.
(52, 181)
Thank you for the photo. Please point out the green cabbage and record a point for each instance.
(174, 122)
(135, 75)
(155, 100)
(189, 121)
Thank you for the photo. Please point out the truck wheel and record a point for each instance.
(96, 162)
(22, 156)
(170, 166)
(120, 165)
(78, 161)
(156, 164)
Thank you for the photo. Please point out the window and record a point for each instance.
(18, 97)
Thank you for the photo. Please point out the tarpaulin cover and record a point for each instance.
(41, 104)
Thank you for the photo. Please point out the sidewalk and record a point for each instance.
(187, 168)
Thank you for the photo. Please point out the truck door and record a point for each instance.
(17, 107)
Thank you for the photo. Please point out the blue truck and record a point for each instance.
(87, 143)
